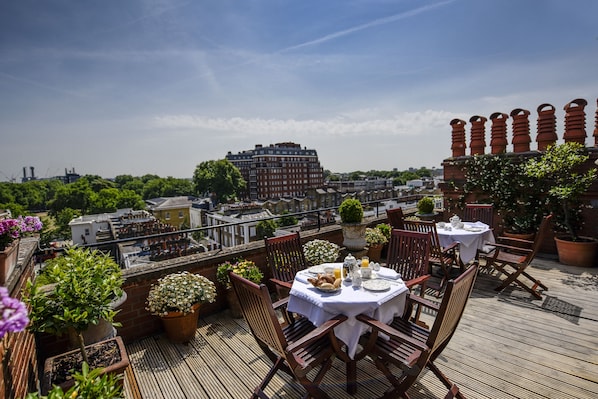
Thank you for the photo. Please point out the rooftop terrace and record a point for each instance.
(507, 345)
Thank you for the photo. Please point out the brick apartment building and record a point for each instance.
(280, 170)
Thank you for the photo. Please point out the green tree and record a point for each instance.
(219, 177)
(287, 220)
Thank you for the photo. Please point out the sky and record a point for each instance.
(158, 86)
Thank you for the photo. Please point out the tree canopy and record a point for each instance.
(219, 178)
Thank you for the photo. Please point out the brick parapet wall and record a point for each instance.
(19, 365)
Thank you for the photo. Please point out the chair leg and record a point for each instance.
(444, 379)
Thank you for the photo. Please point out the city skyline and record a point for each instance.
(144, 87)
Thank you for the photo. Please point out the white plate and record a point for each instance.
(376, 285)
(473, 229)
(318, 269)
(328, 290)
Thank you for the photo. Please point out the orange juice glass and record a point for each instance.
(337, 272)
(365, 261)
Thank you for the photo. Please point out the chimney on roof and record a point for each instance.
(24, 172)
(32, 172)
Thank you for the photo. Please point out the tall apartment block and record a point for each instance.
(281, 170)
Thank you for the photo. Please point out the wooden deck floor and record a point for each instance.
(507, 345)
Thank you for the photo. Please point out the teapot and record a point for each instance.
(455, 220)
(349, 265)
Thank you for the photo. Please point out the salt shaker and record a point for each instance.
(348, 266)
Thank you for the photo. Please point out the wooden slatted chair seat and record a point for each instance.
(296, 348)
(413, 348)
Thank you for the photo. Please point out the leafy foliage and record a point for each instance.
(425, 206)
(351, 211)
(243, 267)
(265, 228)
(220, 177)
(178, 292)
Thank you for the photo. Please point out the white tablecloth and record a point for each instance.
(469, 241)
(319, 307)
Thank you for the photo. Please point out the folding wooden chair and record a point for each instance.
(479, 213)
(285, 258)
(446, 258)
(296, 348)
(412, 348)
(512, 256)
(408, 255)
(396, 217)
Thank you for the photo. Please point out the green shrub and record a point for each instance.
(425, 206)
(351, 211)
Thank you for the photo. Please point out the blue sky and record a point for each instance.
(136, 87)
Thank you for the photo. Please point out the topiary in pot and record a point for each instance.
(351, 211)
(425, 206)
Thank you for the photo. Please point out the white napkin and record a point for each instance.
(385, 272)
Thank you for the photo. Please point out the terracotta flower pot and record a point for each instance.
(577, 253)
(180, 328)
(8, 261)
(233, 304)
(375, 252)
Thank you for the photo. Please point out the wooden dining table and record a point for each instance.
(382, 297)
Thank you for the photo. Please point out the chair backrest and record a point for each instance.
(259, 313)
(285, 256)
(396, 217)
(408, 253)
(479, 213)
(451, 309)
(425, 226)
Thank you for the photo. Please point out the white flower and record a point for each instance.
(320, 251)
(178, 292)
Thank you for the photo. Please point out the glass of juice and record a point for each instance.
(365, 261)
(337, 272)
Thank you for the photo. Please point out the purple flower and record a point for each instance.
(13, 314)
(11, 229)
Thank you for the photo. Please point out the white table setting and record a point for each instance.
(471, 237)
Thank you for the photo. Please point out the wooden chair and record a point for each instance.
(396, 217)
(297, 348)
(413, 348)
(408, 255)
(446, 258)
(512, 256)
(479, 213)
(285, 258)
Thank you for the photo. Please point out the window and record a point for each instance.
(181, 214)
(167, 216)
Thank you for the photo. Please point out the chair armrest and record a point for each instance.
(316, 334)
(280, 303)
(451, 248)
(417, 281)
(422, 301)
(284, 284)
(378, 326)
(516, 242)
(521, 250)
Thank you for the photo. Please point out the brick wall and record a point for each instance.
(19, 365)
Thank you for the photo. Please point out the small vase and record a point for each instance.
(180, 328)
(233, 303)
(8, 260)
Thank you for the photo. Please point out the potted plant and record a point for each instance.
(85, 285)
(11, 230)
(425, 208)
(88, 384)
(375, 239)
(559, 169)
(351, 213)
(244, 268)
(13, 314)
(320, 251)
(176, 299)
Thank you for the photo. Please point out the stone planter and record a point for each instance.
(354, 236)
(53, 364)
(103, 330)
(180, 328)
(8, 261)
(577, 253)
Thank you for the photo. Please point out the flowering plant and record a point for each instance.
(244, 268)
(11, 229)
(375, 236)
(178, 292)
(320, 251)
(13, 314)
